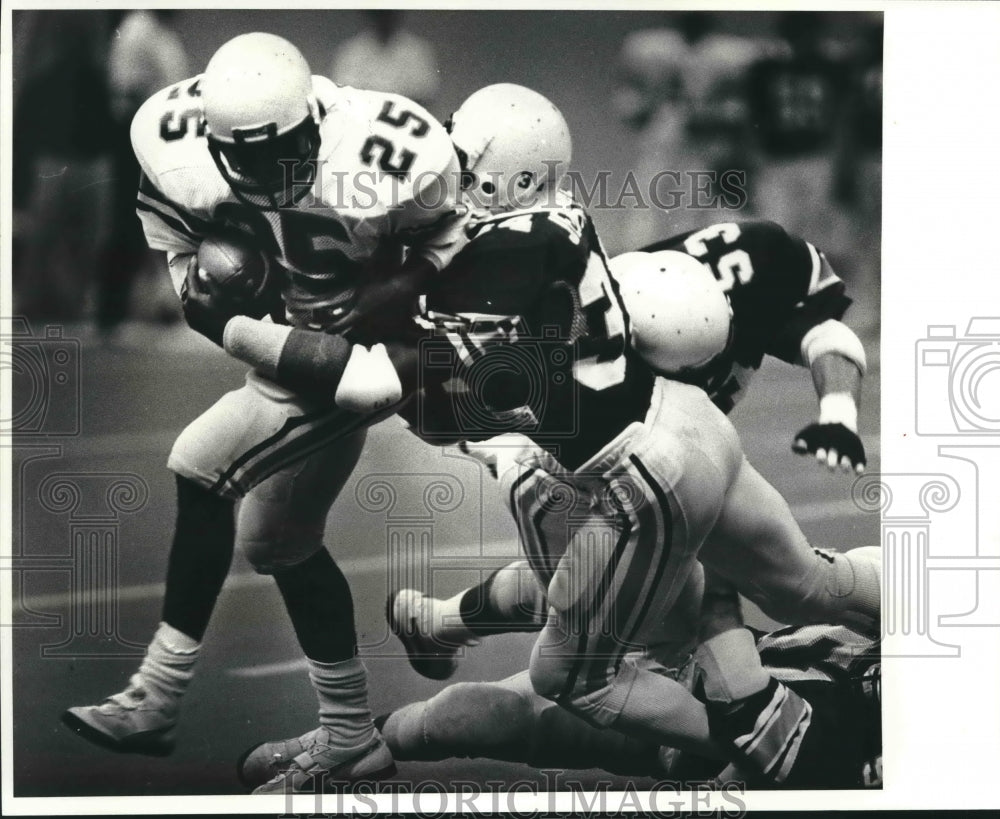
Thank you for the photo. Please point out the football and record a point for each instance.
(231, 269)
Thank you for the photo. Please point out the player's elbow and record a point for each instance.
(833, 337)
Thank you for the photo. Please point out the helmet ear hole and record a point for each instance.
(515, 137)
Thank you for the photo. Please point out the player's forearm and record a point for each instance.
(832, 372)
(324, 365)
(836, 358)
(838, 387)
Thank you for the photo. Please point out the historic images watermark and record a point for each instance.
(668, 189)
(560, 794)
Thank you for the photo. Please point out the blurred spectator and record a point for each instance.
(61, 123)
(798, 111)
(858, 171)
(146, 55)
(386, 57)
(682, 91)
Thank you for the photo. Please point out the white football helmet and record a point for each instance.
(261, 114)
(514, 146)
(681, 318)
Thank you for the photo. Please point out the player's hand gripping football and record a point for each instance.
(834, 444)
(226, 279)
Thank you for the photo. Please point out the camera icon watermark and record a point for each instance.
(45, 381)
(958, 380)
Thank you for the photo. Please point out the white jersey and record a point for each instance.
(387, 179)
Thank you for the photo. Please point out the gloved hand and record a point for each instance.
(203, 312)
(834, 439)
(834, 445)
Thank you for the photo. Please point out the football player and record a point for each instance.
(786, 302)
(614, 507)
(332, 183)
(833, 670)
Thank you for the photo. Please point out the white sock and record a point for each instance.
(168, 667)
(731, 666)
(342, 691)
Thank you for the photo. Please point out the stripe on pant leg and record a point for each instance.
(606, 650)
(591, 610)
(290, 425)
(528, 546)
(296, 448)
(665, 528)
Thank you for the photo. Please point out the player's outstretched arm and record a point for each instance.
(836, 358)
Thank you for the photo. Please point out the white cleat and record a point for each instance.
(408, 617)
(131, 721)
(308, 764)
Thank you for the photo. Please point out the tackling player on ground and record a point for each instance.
(833, 669)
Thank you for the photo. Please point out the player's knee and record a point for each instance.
(478, 717)
(270, 554)
(516, 592)
(839, 588)
(548, 674)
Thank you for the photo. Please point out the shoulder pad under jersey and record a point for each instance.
(168, 137)
(383, 152)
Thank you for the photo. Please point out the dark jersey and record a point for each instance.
(537, 337)
(795, 103)
(779, 287)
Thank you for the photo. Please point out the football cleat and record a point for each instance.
(309, 763)
(409, 617)
(131, 721)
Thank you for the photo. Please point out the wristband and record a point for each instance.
(839, 408)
